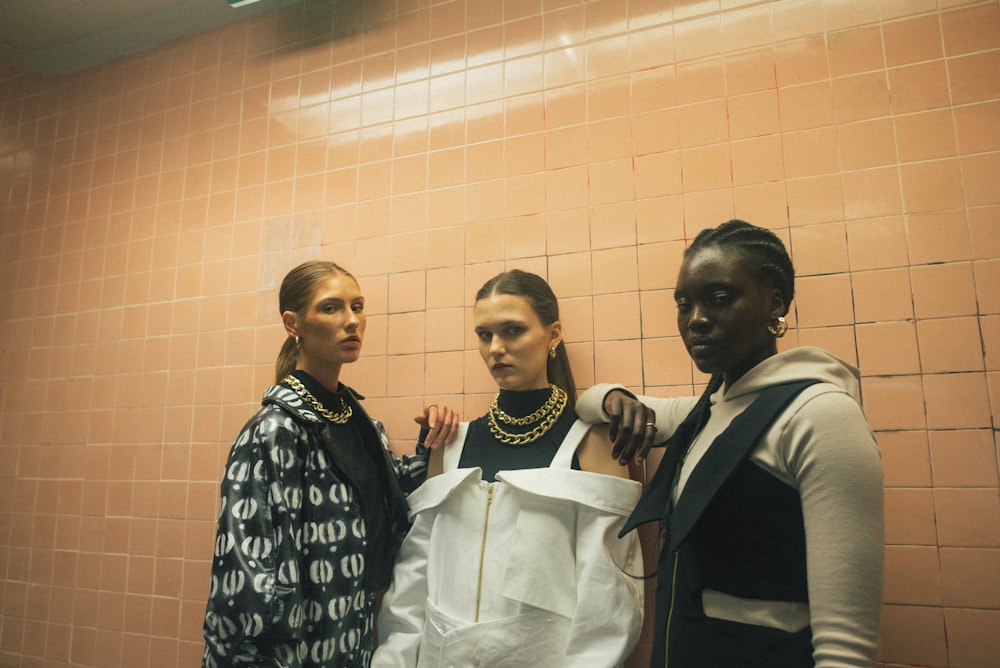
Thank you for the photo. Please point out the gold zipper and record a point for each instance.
(670, 613)
(482, 549)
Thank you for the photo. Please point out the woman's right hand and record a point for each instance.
(632, 426)
(441, 423)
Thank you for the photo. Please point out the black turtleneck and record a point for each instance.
(363, 463)
(482, 449)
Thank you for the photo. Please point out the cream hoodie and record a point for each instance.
(822, 446)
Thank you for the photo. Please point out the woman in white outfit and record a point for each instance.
(513, 558)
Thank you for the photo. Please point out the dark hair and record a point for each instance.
(545, 305)
(297, 290)
(767, 257)
(763, 250)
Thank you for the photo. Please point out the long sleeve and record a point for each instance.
(401, 619)
(831, 454)
(670, 412)
(410, 470)
(248, 591)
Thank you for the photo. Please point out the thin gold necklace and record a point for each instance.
(545, 416)
(338, 418)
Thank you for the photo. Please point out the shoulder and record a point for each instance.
(435, 461)
(823, 428)
(282, 401)
(594, 453)
(282, 416)
(826, 403)
(445, 458)
(822, 413)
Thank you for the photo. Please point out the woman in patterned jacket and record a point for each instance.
(313, 502)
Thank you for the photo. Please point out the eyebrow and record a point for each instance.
(499, 325)
(711, 285)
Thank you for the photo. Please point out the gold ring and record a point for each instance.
(651, 424)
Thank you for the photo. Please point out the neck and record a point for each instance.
(506, 390)
(519, 403)
(538, 384)
(327, 376)
(738, 372)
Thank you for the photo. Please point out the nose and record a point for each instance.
(698, 320)
(496, 346)
(352, 321)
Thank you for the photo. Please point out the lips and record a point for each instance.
(699, 346)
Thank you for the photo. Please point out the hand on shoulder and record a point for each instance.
(441, 423)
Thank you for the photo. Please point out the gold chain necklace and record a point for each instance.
(557, 396)
(338, 418)
(545, 416)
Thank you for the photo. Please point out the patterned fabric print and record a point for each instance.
(288, 583)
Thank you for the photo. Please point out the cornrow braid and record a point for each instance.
(701, 408)
(763, 249)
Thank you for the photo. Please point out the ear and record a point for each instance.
(778, 305)
(290, 321)
(555, 334)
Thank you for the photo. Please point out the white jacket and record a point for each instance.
(525, 571)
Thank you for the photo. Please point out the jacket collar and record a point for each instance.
(290, 400)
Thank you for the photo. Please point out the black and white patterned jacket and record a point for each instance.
(291, 585)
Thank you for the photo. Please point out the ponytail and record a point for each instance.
(560, 373)
(287, 358)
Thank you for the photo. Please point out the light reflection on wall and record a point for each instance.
(389, 93)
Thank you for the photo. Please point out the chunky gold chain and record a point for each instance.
(558, 396)
(546, 416)
(338, 418)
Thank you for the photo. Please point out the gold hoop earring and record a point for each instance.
(552, 352)
(778, 327)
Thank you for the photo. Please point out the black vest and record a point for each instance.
(736, 529)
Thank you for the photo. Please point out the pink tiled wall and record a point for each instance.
(150, 206)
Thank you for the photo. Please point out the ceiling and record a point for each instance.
(60, 36)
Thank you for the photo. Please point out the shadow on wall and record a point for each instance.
(316, 23)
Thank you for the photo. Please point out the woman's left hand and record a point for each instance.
(441, 422)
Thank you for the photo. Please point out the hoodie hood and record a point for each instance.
(797, 364)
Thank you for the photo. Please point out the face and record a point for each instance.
(723, 311)
(332, 327)
(513, 341)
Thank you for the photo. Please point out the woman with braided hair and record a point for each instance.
(513, 559)
(769, 493)
(313, 501)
